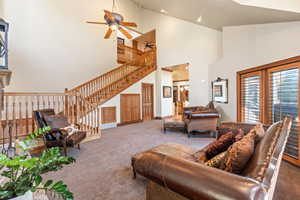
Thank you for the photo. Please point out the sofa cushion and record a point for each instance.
(220, 145)
(169, 149)
(239, 154)
(263, 151)
(217, 161)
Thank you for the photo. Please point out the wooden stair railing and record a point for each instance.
(104, 87)
(88, 88)
(148, 62)
(18, 109)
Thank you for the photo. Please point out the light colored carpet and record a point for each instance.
(102, 170)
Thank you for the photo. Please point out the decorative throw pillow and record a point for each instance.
(239, 154)
(217, 160)
(200, 157)
(220, 145)
(259, 132)
(239, 135)
(71, 129)
(238, 132)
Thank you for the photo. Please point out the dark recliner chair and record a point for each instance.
(57, 137)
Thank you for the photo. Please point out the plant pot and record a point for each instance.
(27, 196)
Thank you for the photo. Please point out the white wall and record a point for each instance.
(134, 89)
(251, 46)
(51, 45)
(1, 9)
(180, 42)
(165, 105)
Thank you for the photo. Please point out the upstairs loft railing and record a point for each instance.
(127, 54)
(17, 117)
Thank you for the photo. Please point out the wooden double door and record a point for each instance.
(131, 106)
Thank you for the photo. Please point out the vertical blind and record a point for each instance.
(250, 102)
(283, 101)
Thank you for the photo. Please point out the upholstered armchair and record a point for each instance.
(57, 136)
(201, 118)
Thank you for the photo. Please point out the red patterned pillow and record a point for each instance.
(220, 145)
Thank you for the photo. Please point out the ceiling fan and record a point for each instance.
(115, 21)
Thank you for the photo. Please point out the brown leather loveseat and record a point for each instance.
(174, 174)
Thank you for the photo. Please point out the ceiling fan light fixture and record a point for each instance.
(114, 27)
(199, 19)
(163, 11)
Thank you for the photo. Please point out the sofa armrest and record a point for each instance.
(246, 127)
(197, 181)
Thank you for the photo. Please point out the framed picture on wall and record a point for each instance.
(220, 90)
(167, 91)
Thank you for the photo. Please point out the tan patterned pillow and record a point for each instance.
(217, 160)
(239, 153)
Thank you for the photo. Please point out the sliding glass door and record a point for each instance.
(283, 101)
(269, 93)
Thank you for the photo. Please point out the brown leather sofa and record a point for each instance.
(201, 118)
(174, 174)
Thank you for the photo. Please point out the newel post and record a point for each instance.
(66, 103)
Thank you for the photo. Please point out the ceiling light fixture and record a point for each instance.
(199, 19)
(163, 11)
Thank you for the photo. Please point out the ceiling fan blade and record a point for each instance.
(125, 33)
(132, 24)
(108, 33)
(109, 15)
(96, 22)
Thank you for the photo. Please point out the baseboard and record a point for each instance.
(126, 123)
(166, 117)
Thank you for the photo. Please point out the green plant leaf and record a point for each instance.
(38, 180)
(48, 183)
(57, 185)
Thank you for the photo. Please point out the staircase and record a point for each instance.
(81, 104)
(104, 87)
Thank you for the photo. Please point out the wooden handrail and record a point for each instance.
(19, 106)
(32, 93)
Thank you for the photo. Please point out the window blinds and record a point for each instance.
(250, 99)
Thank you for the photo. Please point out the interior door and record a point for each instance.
(130, 108)
(147, 101)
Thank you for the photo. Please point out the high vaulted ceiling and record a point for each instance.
(219, 13)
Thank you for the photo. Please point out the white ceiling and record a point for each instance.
(218, 13)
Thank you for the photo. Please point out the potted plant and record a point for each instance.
(23, 174)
